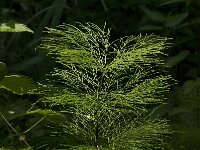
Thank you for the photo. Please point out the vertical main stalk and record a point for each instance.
(97, 106)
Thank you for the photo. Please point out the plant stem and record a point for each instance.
(97, 104)
(22, 139)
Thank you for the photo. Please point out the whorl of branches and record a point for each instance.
(106, 86)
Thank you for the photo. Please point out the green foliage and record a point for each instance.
(14, 27)
(3, 70)
(48, 115)
(17, 84)
(174, 60)
(186, 115)
(14, 83)
(105, 88)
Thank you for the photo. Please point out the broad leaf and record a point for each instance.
(151, 27)
(175, 60)
(170, 2)
(48, 115)
(14, 27)
(154, 15)
(175, 20)
(17, 84)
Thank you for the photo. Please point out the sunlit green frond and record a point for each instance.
(79, 78)
(140, 50)
(106, 87)
(146, 91)
(77, 45)
(147, 135)
(149, 91)
(14, 27)
(17, 84)
(81, 57)
(70, 99)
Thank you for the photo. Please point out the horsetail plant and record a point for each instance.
(106, 88)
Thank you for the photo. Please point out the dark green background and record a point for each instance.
(177, 19)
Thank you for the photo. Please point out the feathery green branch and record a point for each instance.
(106, 86)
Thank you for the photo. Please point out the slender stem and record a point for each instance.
(97, 114)
(34, 125)
(97, 121)
(97, 131)
(104, 5)
(97, 104)
(22, 139)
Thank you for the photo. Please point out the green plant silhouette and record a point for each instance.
(104, 88)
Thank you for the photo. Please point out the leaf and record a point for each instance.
(194, 58)
(48, 115)
(175, 60)
(3, 148)
(175, 20)
(59, 7)
(14, 110)
(154, 15)
(190, 94)
(3, 70)
(151, 27)
(170, 2)
(188, 86)
(178, 110)
(14, 27)
(193, 72)
(27, 63)
(17, 84)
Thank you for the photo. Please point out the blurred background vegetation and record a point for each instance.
(177, 19)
